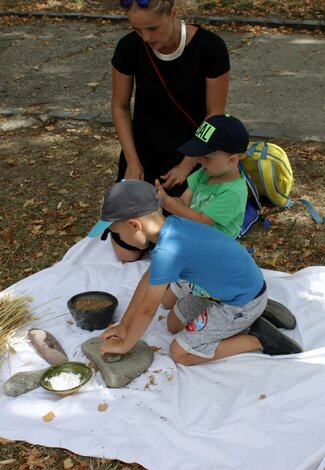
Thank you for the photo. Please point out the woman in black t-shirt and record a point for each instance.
(194, 64)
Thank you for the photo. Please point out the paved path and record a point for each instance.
(277, 80)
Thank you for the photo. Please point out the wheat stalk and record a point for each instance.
(15, 312)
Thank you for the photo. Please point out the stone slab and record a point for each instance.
(120, 373)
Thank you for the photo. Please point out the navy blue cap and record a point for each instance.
(220, 132)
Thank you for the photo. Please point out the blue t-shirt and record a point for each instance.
(217, 265)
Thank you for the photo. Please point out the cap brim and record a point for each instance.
(99, 228)
(194, 148)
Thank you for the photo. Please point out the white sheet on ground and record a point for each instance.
(249, 411)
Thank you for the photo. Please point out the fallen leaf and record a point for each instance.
(102, 407)
(49, 417)
(161, 317)
(67, 463)
(27, 270)
(152, 380)
(262, 396)
(36, 229)
(71, 220)
(93, 84)
(29, 202)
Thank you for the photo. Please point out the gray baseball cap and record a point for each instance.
(124, 200)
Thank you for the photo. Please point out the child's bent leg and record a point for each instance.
(227, 347)
(169, 299)
(174, 324)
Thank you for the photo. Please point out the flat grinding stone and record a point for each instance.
(120, 373)
(47, 346)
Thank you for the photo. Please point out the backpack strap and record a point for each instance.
(253, 204)
(312, 211)
(251, 185)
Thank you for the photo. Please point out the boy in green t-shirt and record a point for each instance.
(217, 192)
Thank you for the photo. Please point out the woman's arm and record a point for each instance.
(179, 173)
(216, 94)
(121, 111)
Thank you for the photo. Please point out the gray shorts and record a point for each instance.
(180, 288)
(208, 322)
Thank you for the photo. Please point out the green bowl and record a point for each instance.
(66, 371)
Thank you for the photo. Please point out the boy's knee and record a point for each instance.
(178, 354)
(169, 299)
(174, 325)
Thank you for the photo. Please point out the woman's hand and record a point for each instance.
(134, 171)
(179, 173)
(176, 175)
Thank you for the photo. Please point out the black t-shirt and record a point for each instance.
(159, 126)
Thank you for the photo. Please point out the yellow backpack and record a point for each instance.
(269, 167)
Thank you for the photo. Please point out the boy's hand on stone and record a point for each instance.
(115, 331)
(114, 345)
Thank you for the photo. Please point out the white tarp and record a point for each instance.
(249, 411)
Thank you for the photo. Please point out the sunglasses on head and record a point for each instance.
(140, 3)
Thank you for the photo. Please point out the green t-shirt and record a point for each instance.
(224, 203)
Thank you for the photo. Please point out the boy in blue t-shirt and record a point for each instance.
(228, 292)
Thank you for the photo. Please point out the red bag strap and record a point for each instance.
(166, 88)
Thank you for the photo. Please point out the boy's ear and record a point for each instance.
(135, 223)
(234, 158)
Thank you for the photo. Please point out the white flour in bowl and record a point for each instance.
(65, 381)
